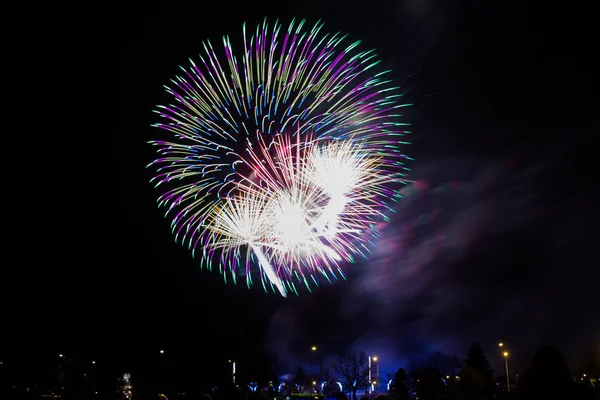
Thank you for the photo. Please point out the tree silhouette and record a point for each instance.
(399, 389)
(415, 364)
(330, 378)
(298, 381)
(477, 377)
(548, 377)
(446, 365)
(353, 370)
(429, 383)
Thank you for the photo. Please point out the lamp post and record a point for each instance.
(313, 349)
(370, 389)
(376, 360)
(505, 354)
(232, 370)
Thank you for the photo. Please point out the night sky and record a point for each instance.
(494, 242)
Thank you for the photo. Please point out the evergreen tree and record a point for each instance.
(477, 377)
(399, 389)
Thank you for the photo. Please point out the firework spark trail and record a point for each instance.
(293, 190)
(339, 168)
(315, 91)
(279, 167)
(245, 220)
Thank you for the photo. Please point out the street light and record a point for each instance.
(93, 362)
(376, 359)
(500, 344)
(232, 370)
(162, 351)
(505, 354)
(313, 350)
(370, 387)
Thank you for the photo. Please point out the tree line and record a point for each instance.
(444, 377)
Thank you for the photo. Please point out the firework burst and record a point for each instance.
(283, 155)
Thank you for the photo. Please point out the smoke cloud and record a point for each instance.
(486, 257)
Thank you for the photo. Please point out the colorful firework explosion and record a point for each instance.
(284, 155)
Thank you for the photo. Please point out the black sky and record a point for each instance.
(496, 242)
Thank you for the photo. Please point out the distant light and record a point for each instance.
(314, 383)
(375, 358)
(584, 375)
(374, 382)
(93, 362)
(500, 344)
(447, 376)
(505, 354)
(162, 351)
(457, 377)
(314, 348)
(60, 355)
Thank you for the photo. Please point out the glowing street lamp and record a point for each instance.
(232, 370)
(162, 351)
(93, 362)
(313, 350)
(376, 360)
(505, 354)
